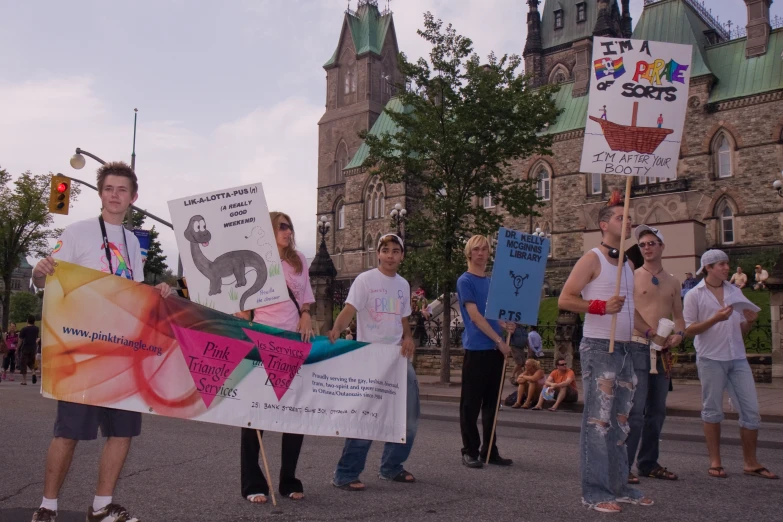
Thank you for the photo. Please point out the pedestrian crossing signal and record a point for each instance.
(60, 195)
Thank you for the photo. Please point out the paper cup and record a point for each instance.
(665, 327)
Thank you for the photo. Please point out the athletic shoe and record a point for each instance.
(44, 515)
(111, 513)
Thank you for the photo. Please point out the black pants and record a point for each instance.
(253, 480)
(10, 360)
(481, 376)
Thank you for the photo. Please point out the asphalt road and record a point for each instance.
(189, 471)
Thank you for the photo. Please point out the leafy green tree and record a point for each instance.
(23, 304)
(461, 126)
(24, 224)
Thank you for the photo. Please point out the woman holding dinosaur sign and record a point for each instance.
(292, 315)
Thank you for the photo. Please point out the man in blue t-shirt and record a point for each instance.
(485, 355)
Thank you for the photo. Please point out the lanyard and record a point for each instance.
(108, 252)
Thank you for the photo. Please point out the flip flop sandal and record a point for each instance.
(252, 498)
(516, 406)
(633, 479)
(644, 501)
(759, 472)
(662, 473)
(721, 473)
(348, 486)
(402, 476)
(292, 497)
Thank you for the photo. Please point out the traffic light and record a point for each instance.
(60, 195)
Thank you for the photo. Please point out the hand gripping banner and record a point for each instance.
(107, 341)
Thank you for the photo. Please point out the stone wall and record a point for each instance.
(427, 362)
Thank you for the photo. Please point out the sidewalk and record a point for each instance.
(684, 401)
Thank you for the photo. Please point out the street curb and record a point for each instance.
(680, 437)
(578, 407)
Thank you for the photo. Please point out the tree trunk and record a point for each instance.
(445, 345)
(6, 302)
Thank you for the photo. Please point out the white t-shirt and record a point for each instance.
(381, 302)
(82, 244)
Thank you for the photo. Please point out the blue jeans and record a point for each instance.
(609, 384)
(737, 377)
(648, 411)
(394, 455)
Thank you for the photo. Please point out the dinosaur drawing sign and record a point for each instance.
(517, 277)
(636, 111)
(228, 249)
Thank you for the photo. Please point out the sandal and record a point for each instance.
(292, 497)
(662, 473)
(644, 501)
(552, 409)
(607, 507)
(633, 479)
(516, 406)
(402, 476)
(254, 498)
(353, 485)
(719, 473)
(536, 408)
(761, 473)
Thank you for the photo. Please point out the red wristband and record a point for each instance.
(597, 307)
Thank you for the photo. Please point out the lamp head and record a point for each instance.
(77, 161)
(777, 184)
(393, 213)
(403, 212)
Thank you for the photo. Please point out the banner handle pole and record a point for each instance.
(621, 260)
(266, 469)
(497, 406)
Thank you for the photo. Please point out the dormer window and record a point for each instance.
(559, 19)
(581, 12)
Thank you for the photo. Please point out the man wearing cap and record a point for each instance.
(721, 361)
(688, 284)
(656, 296)
(761, 278)
(607, 377)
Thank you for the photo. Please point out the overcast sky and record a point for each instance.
(228, 92)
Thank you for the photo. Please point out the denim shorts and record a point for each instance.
(736, 377)
(80, 422)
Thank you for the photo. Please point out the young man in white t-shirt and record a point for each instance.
(383, 321)
(100, 243)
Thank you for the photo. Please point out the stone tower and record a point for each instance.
(360, 79)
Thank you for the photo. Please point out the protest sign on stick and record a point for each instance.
(108, 341)
(228, 249)
(635, 116)
(515, 289)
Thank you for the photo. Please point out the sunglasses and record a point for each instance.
(284, 226)
(643, 244)
(561, 364)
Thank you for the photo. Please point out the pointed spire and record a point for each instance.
(603, 24)
(533, 41)
(626, 23)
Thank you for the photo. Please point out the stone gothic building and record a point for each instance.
(731, 153)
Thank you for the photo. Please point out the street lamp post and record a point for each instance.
(778, 185)
(323, 228)
(398, 214)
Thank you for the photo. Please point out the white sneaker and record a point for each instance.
(111, 513)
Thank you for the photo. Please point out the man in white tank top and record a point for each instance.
(607, 378)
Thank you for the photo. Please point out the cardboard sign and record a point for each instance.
(517, 277)
(636, 112)
(228, 249)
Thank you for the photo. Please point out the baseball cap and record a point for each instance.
(643, 228)
(393, 237)
(710, 257)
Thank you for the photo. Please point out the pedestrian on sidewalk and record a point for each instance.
(28, 341)
(383, 323)
(534, 343)
(100, 244)
(292, 315)
(721, 361)
(656, 296)
(485, 354)
(607, 378)
(12, 342)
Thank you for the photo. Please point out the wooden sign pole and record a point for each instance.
(497, 406)
(621, 259)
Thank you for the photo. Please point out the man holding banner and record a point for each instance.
(101, 244)
(485, 355)
(607, 377)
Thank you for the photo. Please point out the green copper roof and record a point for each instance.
(572, 30)
(574, 110)
(368, 30)
(739, 76)
(674, 21)
(383, 125)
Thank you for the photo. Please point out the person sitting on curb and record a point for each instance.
(531, 382)
(563, 382)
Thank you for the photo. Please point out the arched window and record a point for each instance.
(350, 82)
(544, 178)
(724, 157)
(375, 200)
(340, 213)
(725, 214)
(559, 74)
(340, 161)
(372, 258)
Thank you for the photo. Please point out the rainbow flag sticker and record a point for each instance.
(607, 67)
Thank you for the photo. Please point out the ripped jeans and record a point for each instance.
(609, 383)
